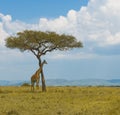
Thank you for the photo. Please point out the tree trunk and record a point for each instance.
(42, 77)
(43, 82)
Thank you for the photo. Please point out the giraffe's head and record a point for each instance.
(45, 62)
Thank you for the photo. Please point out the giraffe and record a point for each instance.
(36, 77)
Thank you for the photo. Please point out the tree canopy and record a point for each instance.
(40, 43)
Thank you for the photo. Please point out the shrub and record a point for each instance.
(25, 84)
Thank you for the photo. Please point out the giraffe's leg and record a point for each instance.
(32, 86)
(37, 85)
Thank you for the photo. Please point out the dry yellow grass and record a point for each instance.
(60, 101)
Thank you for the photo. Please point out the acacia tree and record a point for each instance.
(39, 43)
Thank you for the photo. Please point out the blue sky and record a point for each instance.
(26, 10)
(96, 23)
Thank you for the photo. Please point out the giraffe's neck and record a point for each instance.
(40, 69)
(41, 65)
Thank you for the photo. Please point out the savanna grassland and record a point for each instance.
(60, 101)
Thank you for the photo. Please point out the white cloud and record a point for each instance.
(9, 27)
(3, 34)
(96, 25)
(61, 24)
(71, 56)
(99, 22)
(6, 18)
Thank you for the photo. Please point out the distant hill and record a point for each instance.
(83, 82)
(63, 82)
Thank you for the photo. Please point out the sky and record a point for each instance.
(96, 23)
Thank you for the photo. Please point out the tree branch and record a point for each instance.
(48, 50)
(33, 52)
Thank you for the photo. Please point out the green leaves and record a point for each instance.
(42, 42)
